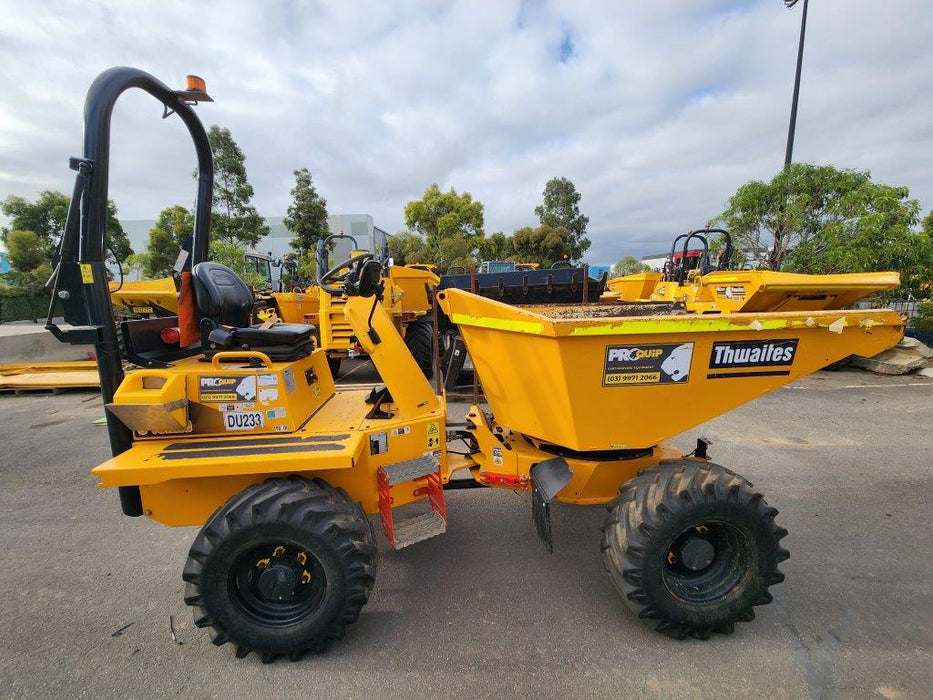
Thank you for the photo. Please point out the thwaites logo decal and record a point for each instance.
(656, 363)
(219, 389)
(752, 355)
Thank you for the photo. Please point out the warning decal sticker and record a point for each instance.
(434, 436)
(657, 363)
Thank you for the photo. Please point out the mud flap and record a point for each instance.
(547, 479)
(453, 362)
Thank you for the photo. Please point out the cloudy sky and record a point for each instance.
(657, 110)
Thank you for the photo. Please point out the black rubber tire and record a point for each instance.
(315, 516)
(334, 364)
(660, 507)
(419, 339)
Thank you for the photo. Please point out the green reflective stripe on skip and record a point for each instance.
(635, 327)
(501, 324)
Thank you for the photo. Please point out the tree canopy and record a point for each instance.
(544, 245)
(819, 219)
(46, 217)
(28, 258)
(629, 265)
(234, 218)
(451, 225)
(498, 246)
(165, 240)
(406, 248)
(441, 215)
(561, 209)
(306, 218)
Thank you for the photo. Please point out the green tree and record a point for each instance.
(561, 209)
(451, 223)
(819, 219)
(136, 264)
(234, 257)
(234, 218)
(629, 265)
(927, 224)
(28, 258)
(46, 218)
(544, 245)
(306, 217)
(165, 240)
(498, 246)
(406, 248)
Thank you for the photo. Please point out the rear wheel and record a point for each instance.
(692, 548)
(419, 338)
(281, 568)
(334, 364)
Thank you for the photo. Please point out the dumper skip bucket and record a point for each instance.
(594, 377)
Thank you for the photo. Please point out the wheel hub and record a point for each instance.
(277, 582)
(697, 553)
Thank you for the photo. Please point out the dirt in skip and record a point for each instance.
(584, 311)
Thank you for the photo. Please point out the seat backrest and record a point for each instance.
(221, 295)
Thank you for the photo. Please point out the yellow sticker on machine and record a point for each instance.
(87, 273)
(434, 436)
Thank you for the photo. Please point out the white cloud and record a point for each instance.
(661, 111)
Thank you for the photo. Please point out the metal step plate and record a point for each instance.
(411, 469)
(418, 528)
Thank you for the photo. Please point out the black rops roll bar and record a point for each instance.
(682, 275)
(327, 277)
(323, 245)
(670, 258)
(724, 257)
(80, 280)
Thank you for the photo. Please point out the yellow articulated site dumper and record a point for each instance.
(690, 279)
(244, 433)
(407, 298)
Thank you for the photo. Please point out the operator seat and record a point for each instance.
(225, 306)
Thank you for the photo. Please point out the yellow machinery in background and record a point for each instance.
(407, 298)
(159, 297)
(246, 434)
(688, 279)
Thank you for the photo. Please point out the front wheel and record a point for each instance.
(692, 548)
(419, 339)
(281, 568)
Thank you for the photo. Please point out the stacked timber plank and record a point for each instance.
(48, 376)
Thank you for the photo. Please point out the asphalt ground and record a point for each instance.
(86, 595)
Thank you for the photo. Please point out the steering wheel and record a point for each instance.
(338, 274)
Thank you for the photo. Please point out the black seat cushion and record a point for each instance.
(276, 334)
(282, 342)
(221, 295)
(226, 306)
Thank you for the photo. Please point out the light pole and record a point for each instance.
(789, 154)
